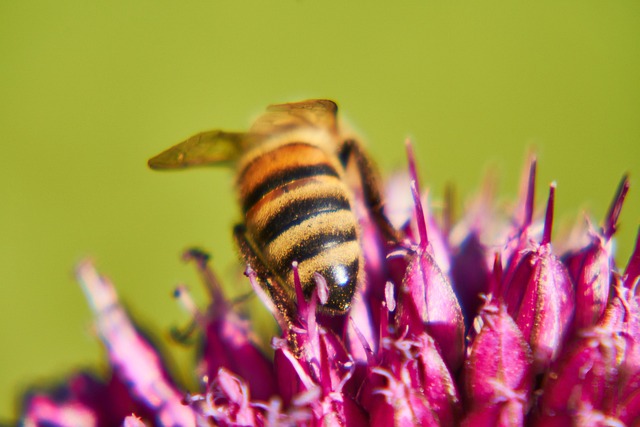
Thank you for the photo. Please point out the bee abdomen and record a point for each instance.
(284, 177)
(280, 166)
(311, 239)
(298, 208)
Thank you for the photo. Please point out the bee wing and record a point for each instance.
(206, 148)
(313, 112)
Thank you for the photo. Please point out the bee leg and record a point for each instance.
(371, 185)
(278, 295)
(280, 299)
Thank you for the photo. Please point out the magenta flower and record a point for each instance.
(445, 332)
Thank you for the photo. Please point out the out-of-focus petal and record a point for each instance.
(470, 274)
(109, 401)
(133, 421)
(44, 411)
(131, 356)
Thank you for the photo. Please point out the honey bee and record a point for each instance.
(291, 177)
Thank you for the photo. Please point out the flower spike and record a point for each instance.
(530, 194)
(423, 238)
(632, 272)
(548, 218)
(611, 220)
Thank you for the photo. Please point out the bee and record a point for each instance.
(291, 178)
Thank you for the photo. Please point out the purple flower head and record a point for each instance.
(478, 323)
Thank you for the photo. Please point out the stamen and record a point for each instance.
(183, 335)
(212, 284)
(182, 294)
(389, 296)
(363, 341)
(322, 289)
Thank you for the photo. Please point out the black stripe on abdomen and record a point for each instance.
(310, 246)
(297, 211)
(284, 177)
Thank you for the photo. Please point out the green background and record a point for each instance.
(89, 90)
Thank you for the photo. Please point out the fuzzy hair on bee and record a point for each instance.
(296, 202)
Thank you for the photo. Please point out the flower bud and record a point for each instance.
(430, 291)
(540, 296)
(498, 371)
(591, 267)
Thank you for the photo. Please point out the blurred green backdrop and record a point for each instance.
(89, 90)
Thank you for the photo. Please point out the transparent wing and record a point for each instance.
(314, 112)
(214, 147)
